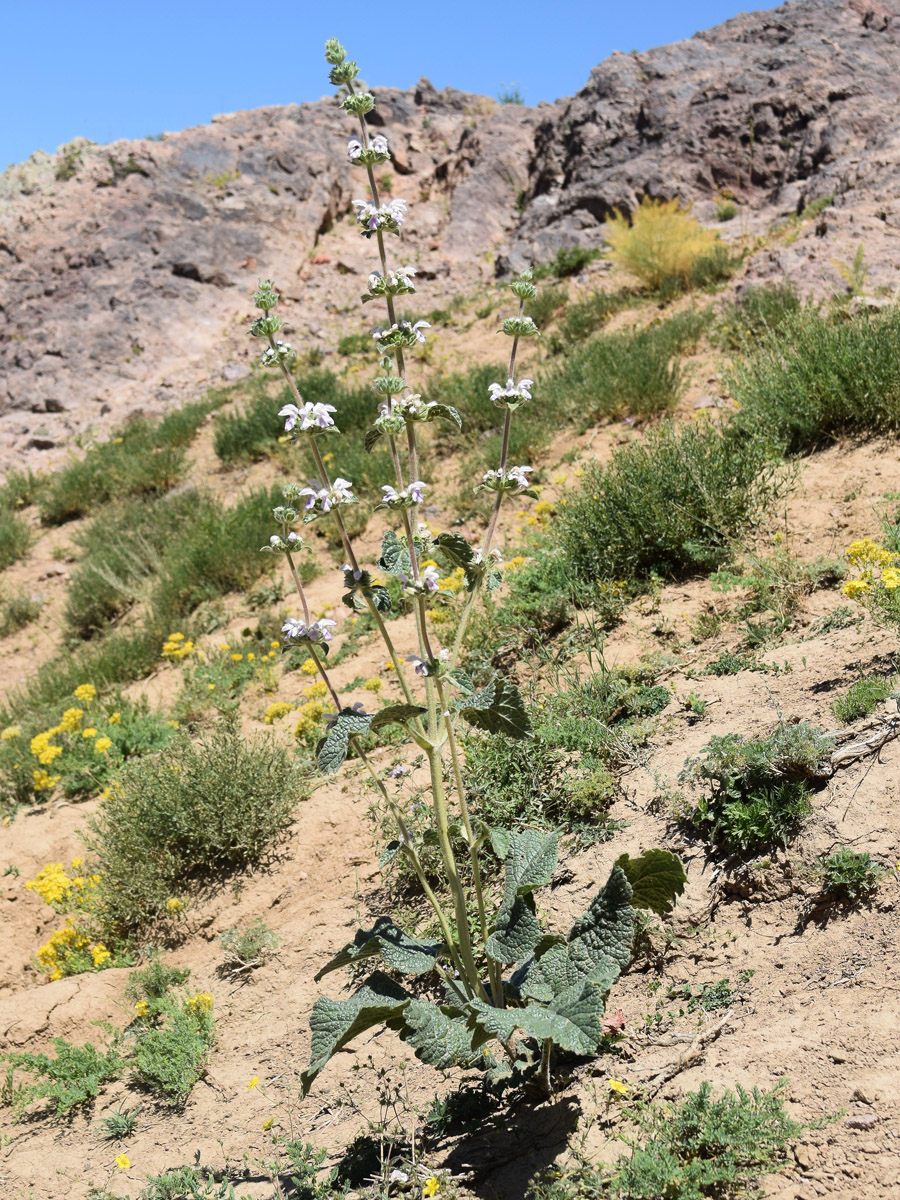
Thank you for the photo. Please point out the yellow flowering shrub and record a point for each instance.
(86, 692)
(876, 584)
(276, 710)
(10, 733)
(309, 716)
(202, 1002)
(316, 690)
(70, 951)
(63, 894)
(309, 667)
(177, 647)
(374, 684)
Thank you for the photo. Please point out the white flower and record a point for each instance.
(430, 577)
(321, 630)
(417, 330)
(496, 555)
(354, 149)
(415, 491)
(519, 475)
(309, 415)
(317, 631)
(391, 495)
(517, 392)
(341, 490)
(281, 352)
(292, 628)
(378, 143)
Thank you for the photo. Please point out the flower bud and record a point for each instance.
(265, 326)
(285, 515)
(520, 327)
(266, 297)
(388, 385)
(343, 72)
(334, 51)
(358, 104)
(523, 289)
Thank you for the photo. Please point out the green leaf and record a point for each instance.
(530, 861)
(492, 580)
(500, 842)
(497, 708)
(395, 558)
(440, 1037)
(516, 931)
(371, 439)
(448, 413)
(400, 951)
(455, 548)
(573, 1021)
(657, 878)
(460, 680)
(334, 1023)
(396, 714)
(332, 749)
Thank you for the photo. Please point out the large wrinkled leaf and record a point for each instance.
(410, 955)
(332, 749)
(440, 1037)
(530, 861)
(460, 680)
(455, 547)
(573, 1021)
(497, 708)
(597, 949)
(334, 1023)
(396, 714)
(657, 878)
(394, 555)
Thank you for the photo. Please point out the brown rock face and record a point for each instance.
(778, 107)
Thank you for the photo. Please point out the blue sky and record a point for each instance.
(108, 70)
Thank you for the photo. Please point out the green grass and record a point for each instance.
(863, 697)
(760, 309)
(15, 537)
(820, 379)
(670, 505)
(586, 317)
(145, 458)
(185, 818)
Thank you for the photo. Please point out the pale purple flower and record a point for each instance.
(378, 143)
(420, 666)
(417, 330)
(293, 629)
(391, 495)
(354, 149)
(320, 631)
(341, 490)
(519, 475)
(310, 416)
(312, 496)
(430, 577)
(415, 491)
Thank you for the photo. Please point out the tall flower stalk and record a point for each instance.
(437, 693)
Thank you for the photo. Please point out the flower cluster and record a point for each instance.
(177, 647)
(200, 1004)
(310, 417)
(314, 633)
(368, 156)
(411, 495)
(427, 584)
(276, 710)
(401, 335)
(279, 545)
(386, 217)
(394, 283)
(275, 356)
(512, 395)
(512, 479)
(323, 500)
(877, 585)
(523, 327)
(310, 713)
(62, 893)
(70, 951)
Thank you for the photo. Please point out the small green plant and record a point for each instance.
(172, 1045)
(18, 610)
(760, 309)
(818, 379)
(696, 708)
(568, 260)
(120, 1125)
(353, 343)
(699, 1148)
(151, 984)
(848, 875)
(661, 240)
(67, 1080)
(754, 792)
(863, 697)
(708, 997)
(726, 209)
(510, 93)
(855, 273)
(193, 813)
(671, 505)
(70, 159)
(248, 948)
(190, 1183)
(15, 537)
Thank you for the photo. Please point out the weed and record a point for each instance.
(189, 815)
(863, 697)
(568, 260)
(248, 948)
(760, 309)
(510, 93)
(755, 791)
(704, 626)
(66, 1081)
(849, 875)
(120, 1125)
(585, 317)
(671, 505)
(172, 1047)
(151, 984)
(855, 273)
(15, 537)
(776, 583)
(18, 610)
(821, 379)
(708, 997)
(662, 240)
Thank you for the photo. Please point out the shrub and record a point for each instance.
(863, 697)
(172, 1045)
(568, 260)
(820, 379)
(15, 537)
(144, 458)
(546, 303)
(585, 317)
(17, 611)
(66, 1081)
(695, 1149)
(760, 309)
(247, 948)
(669, 505)
(849, 875)
(662, 239)
(755, 791)
(187, 816)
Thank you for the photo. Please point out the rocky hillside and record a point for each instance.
(124, 269)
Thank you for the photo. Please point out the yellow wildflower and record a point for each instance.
(77, 864)
(274, 645)
(309, 667)
(71, 719)
(142, 1008)
(174, 905)
(310, 714)
(201, 1003)
(253, 1082)
(276, 710)
(100, 954)
(890, 577)
(237, 657)
(46, 757)
(616, 1085)
(115, 719)
(10, 732)
(431, 1187)
(89, 732)
(123, 1162)
(51, 883)
(267, 1125)
(44, 782)
(374, 684)
(854, 588)
(172, 724)
(85, 692)
(316, 690)
(251, 657)
(102, 745)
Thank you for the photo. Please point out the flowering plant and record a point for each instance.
(557, 991)
(876, 584)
